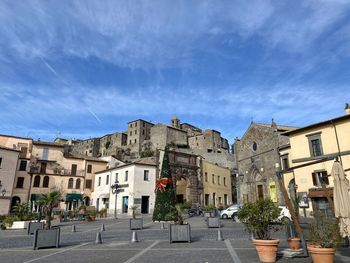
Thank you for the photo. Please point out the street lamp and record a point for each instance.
(115, 189)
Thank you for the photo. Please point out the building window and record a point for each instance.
(285, 162)
(135, 124)
(74, 169)
(315, 145)
(254, 146)
(225, 200)
(46, 182)
(77, 184)
(107, 179)
(88, 184)
(213, 179)
(206, 176)
(130, 133)
(214, 199)
(130, 125)
(23, 153)
(145, 175)
(99, 181)
(135, 140)
(43, 168)
(319, 177)
(20, 182)
(89, 168)
(224, 181)
(116, 176)
(206, 199)
(36, 181)
(129, 141)
(136, 132)
(0, 162)
(45, 154)
(70, 183)
(143, 132)
(218, 179)
(220, 200)
(126, 176)
(23, 165)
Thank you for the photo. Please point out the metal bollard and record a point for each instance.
(98, 238)
(134, 237)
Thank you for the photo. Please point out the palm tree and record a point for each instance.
(49, 201)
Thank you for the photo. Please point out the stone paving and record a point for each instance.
(153, 245)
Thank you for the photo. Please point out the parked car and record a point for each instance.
(228, 212)
(285, 216)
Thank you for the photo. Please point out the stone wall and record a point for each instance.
(162, 135)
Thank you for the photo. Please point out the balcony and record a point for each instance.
(69, 172)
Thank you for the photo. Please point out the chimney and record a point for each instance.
(347, 108)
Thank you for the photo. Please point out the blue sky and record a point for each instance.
(80, 69)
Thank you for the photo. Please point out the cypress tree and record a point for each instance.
(165, 192)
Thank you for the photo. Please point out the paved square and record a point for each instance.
(153, 245)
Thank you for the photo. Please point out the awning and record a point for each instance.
(105, 196)
(35, 197)
(73, 197)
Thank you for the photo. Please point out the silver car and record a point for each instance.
(228, 212)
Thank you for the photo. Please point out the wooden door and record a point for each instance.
(260, 192)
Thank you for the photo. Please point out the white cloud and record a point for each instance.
(155, 34)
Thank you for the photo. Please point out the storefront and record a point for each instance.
(73, 201)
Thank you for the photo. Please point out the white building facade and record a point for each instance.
(138, 182)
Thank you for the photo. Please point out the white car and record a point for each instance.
(284, 214)
(228, 212)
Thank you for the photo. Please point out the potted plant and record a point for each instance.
(135, 223)
(209, 210)
(259, 219)
(178, 232)
(324, 238)
(22, 216)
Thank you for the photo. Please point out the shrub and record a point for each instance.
(209, 208)
(259, 218)
(324, 232)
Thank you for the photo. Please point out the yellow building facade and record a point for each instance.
(307, 162)
(217, 189)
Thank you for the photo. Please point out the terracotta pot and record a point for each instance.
(294, 243)
(267, 249)
(321, 255)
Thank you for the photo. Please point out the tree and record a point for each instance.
(165, 192)
(49, 201)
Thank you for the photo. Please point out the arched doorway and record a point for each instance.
(15, 201)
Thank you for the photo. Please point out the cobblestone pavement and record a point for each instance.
(16, 246)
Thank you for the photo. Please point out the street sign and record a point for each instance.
(120, 190)
(124, 185)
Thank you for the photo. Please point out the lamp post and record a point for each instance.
(115, 189)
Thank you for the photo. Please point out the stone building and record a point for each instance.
(143, 138)
(257, 155)
(22, 182)
(209, 140)
(8, 168)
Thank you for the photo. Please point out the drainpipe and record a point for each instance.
(336, 136)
